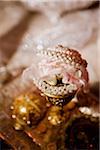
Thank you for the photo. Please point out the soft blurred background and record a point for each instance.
(26, 25)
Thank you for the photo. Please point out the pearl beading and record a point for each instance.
(56, 90)
(67, 56)
(64, 54)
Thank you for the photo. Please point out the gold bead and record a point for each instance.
(13, 116)
(12, 107)
(24, 118)
(23, 110)
(18, 126)
(28, 122)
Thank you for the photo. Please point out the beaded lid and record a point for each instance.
(59, 71)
